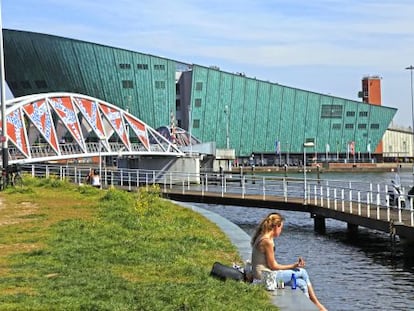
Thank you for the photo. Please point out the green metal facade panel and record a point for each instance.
(297, 125)
(260, 139)
(275, 116)
(248, 116)
(311, 119)
(223, 110)
(263, 112)
(91, 69)
(258, 112)
(213, 107)
(236, 113)
(286, 119)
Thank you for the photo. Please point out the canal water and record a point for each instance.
(366, 271)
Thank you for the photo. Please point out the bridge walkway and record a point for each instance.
(395, 221)
(356, 203)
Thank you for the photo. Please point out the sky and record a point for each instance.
(323, 46)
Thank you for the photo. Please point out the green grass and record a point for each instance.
(64, 247)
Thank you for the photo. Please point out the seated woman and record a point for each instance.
(95, 179)
(264, 257)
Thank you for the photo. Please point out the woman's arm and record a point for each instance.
(267, 248)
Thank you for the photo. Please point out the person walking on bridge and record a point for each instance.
(264, 258)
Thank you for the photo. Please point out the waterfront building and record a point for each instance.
(398, 144)
(262, 121)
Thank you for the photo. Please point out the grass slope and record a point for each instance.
(64, 247)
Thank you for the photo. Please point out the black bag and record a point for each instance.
(224, 272)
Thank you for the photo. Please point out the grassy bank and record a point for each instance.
(64, 247)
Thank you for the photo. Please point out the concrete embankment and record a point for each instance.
(327, 167)
(286, 299)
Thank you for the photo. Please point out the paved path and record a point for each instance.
(286, 299)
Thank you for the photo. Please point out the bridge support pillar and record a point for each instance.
(319, 224)
(352, 229)
(408, 251)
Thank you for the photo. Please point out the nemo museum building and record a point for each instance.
(258, 119)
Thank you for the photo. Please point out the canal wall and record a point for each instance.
(329, 167)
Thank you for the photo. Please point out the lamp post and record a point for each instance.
(4, 138)
(226, 111)
(309, 143)
(100, 162)
(190, 129)
(410, 68)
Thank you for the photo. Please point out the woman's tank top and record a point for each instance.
(259, 263)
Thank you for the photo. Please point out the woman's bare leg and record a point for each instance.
(314, 299)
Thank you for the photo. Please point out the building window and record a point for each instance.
(177, 105)
(363, 113)
(26, 84)
(331, 111)
(178, 122)
(375, 126)
(199, 86)
(41, 84)
(196, 123)
(160, 84)
(350, 113)
(197, 102)
(127, 84)
(159, 67)
(125, 66)
(362, 126)
(336, 126)
(142, 66)
(177, 89)
(349, 126)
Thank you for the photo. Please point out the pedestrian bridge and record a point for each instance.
(355, 202)
(62, 126)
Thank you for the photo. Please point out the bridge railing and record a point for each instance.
(355, 197)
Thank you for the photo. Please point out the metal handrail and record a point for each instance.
(350, 197)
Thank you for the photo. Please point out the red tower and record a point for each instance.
(371, 94)
(371, 90)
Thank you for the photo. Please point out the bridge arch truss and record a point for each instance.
(59, 126)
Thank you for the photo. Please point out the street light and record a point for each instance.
(309, 143)
(410, 68)
(226, 111)
(100, 162)
(4, 139)
(190, 127)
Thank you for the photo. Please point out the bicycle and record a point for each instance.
(11, 176)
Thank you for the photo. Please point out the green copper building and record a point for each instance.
(231, 109)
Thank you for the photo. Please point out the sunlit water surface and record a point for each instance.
(362, 272)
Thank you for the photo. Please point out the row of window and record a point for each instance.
(350, 126)
(129, 84)
(142, 66)
(361, 113)
(335, 111)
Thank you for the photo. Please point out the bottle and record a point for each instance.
(293, 281)
(280, 284)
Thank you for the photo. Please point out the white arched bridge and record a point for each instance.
(59, 126)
